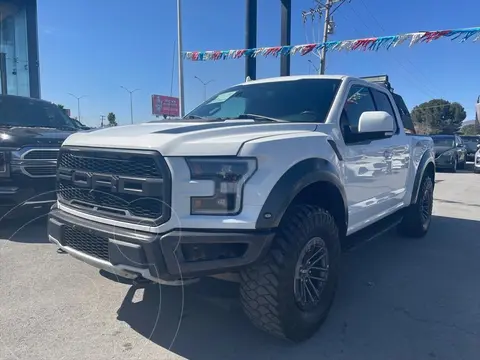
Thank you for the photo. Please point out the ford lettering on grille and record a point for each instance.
(115, 184)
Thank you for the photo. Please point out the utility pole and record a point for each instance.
(326, 29)
(131, 100)
(181, 98)
(78, 104)
(204, 86)
(102, 118)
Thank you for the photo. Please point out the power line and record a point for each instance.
(421, 84)
(326, 9)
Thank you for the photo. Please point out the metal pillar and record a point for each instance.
(285, 35)
(3, 73)
(251, 37)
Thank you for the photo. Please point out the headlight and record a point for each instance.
(229, 176)
(4, 164)
(448, 153)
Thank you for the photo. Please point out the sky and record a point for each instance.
(93, 47)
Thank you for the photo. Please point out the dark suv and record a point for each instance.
(31, 133)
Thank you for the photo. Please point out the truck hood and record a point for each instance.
(16, 137)
(186, 138)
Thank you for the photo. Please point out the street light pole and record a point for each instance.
(131, 100)
(181, 98)
(204, 86)
(78, 103)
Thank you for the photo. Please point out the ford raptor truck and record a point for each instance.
(261, 181)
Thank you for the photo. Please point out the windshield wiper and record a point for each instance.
(256, 117)
(194, 117)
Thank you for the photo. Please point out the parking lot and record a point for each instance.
(398, 299)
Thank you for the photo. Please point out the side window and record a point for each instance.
(383, 104)
(358, 101)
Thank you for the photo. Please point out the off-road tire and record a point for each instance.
(267, 288)
(413, 223)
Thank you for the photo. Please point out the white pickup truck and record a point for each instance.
(263, 180)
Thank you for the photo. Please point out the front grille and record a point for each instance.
(108, 163)
(35, 171)
(130, 185)
(41, 154)
(94, 245)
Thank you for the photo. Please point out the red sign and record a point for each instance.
(165, 105)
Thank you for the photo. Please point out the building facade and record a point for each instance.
(19, 61)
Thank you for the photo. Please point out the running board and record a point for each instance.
(373, 231)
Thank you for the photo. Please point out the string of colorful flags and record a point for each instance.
(367, 44)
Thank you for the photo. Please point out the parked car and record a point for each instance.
(471, 143)
(450, 152)
(79, 125)
(252, 182)
(476, 164)
(31, 132)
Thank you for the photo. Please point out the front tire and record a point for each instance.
(290, 293)
(418, 216)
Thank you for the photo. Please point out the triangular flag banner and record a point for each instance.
(371, 44)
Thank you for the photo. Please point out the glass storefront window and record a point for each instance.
(13, 43)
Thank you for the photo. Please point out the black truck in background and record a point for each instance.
(31, 133)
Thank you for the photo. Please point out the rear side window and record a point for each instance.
(404, 114)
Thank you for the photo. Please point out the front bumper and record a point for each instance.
(444, 162)
(477, 163)
(16, 196)
(168, 257)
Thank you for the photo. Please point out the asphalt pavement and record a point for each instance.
(398, 299)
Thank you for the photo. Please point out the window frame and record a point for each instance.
(366, 138)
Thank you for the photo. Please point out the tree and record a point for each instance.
(112, 119)
(62, 107)
(470, 129)
(438, 116)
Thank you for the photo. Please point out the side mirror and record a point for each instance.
(375, 121)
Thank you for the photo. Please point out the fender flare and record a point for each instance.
(427, 158)
(297, 178)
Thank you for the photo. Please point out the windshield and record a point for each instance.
(306, 100)
(19, 111)
(444, 141)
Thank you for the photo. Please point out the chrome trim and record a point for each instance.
(29, 150)
(120, 270)
(39, 202)
(25, 171)
(8, 190)
(18, 159)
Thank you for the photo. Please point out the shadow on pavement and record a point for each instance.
(29, 228)
(393, 302)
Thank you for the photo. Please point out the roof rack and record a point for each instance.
(381, 80)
